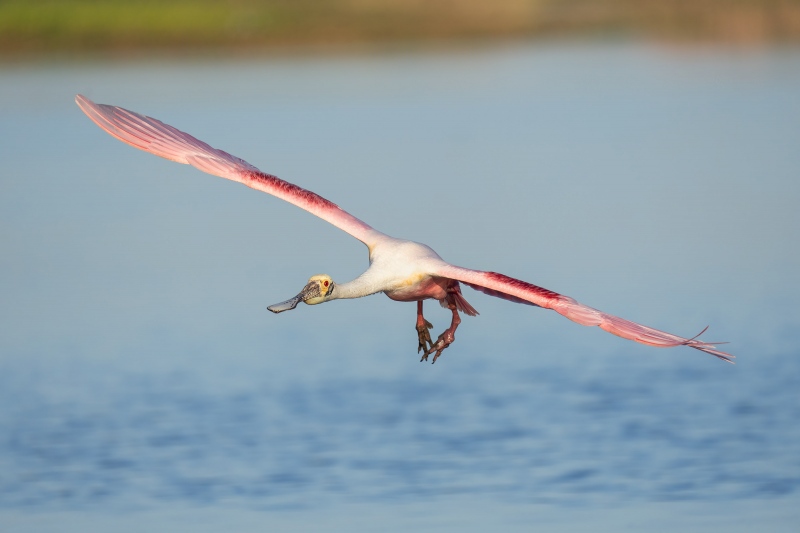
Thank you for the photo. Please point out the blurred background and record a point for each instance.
(641, 157)
(78, 27)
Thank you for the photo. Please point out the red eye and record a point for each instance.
(325, 283)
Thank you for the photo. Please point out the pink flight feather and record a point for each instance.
(512, 289)
(152, 135)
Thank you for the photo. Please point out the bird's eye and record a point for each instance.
(325, 283)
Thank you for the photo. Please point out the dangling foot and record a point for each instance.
(422, 330)
(446, 338)
(424, 335)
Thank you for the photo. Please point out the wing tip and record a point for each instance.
(709, 347)
(84, 103)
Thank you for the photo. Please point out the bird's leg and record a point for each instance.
(422, 330)
(446, 338)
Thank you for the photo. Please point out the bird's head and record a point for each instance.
(318, 289)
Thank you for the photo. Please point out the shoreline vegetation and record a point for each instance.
(43, 28)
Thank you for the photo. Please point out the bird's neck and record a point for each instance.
(363, 285)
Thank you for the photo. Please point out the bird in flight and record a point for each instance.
(403, 270)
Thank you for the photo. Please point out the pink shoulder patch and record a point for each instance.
(523, 285)
(288, 189)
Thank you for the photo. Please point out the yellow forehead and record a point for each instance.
(324, 281)
(325, 284)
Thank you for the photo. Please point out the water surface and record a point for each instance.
(145, 385)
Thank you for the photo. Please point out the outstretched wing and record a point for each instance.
(154, 136)
(519, 291)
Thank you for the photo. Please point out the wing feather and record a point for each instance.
(163, 140)
(516, 290)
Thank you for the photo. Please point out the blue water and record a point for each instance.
(144, 385)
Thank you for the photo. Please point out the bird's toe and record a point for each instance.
(439, 346)
(424, 337)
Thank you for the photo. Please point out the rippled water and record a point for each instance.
(548, 433)
(144, 385)
(619, 434)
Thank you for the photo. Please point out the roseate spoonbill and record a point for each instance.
(405, 271)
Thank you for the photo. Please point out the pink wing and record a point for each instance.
(519, 291)
(154, 136)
